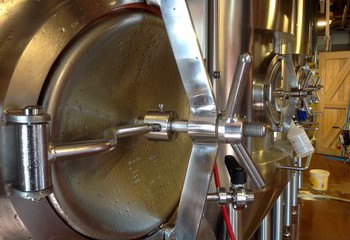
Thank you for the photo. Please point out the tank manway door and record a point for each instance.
(117, 167)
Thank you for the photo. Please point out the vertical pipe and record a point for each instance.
(277, 216)
(295, 189)
(300, 174)
(264, 231)
(236, 221)
(287, 209)
(213, 41)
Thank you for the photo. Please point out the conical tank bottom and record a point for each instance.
(276, 179)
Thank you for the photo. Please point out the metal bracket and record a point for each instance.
(31, 155)
(294, 168)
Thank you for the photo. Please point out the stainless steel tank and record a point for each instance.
(92, 65)
(238, 27)
(96, 65)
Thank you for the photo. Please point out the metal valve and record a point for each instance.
(238, 195)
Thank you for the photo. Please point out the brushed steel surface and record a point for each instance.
(287, 205)
(239, 85)
(202, 120)
(193, 197)
(80, 149)
(274, 15)
(235, 34)
(236, 221)
(295, 189)
(277, 219)
(34, 172)
(32, 35)
(117, 69)
(275, 179)
(249, 165)
(305, 27)
(264, 231)
(231, 36)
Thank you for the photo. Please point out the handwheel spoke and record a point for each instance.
(193, 197)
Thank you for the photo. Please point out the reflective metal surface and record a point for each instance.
(29, 161)
(274, 15)
(249, 165)
(287, 208)
(305, 27)
(236, 221)
(81, 149)
(103, 80)
(202, 120)
(239, 84)
(95, 67)
(277, 219)
(264, 231)
(34, 170)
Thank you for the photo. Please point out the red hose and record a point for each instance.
(223, 208)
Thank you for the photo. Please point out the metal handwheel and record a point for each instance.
(82, 190)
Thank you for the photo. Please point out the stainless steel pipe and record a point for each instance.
(239, 83)
(264, 231)
(287, 209)
(248, 164)
(81, 149)
(87, 148)
(277, 219)
(294, 189)
(236, 221)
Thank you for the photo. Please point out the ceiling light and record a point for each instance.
(322, 23)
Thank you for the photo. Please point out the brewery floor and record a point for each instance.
(319, 217)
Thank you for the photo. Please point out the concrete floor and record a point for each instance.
(324, 219)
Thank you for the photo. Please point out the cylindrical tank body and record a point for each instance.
(92, 65)
(280, 27)
(232, 35)
(99, 60)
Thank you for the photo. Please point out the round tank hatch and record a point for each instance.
(114, 71)
(274, 81)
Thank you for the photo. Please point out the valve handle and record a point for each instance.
(234, 101)
(236, 172)
(248, 164)
(239, 83)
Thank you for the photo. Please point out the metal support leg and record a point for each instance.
(287, 215)
(300, 174)
(295, 183)
(264, 231)
(277, 219)
(236, 221)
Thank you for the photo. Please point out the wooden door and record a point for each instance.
(334, 68)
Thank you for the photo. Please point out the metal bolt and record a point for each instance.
(33, 111)
(169, 232)
(161, 107)
(254, 129)
(246, 58)
(216, 74)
